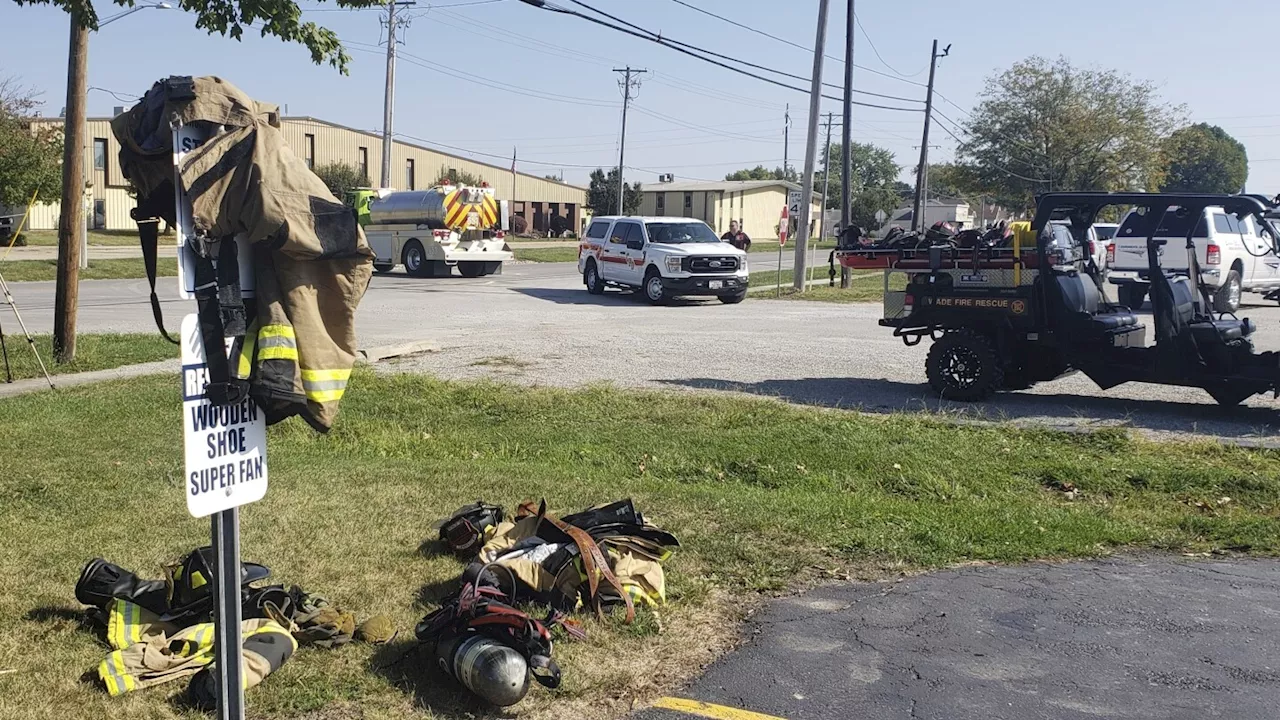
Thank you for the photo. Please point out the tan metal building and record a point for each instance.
(413, 167)
(755, 204)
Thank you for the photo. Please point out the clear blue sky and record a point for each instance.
(691, 119)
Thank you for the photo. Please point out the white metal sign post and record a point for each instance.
(226, 454)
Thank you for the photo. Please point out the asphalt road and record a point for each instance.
(1126, 638)
(536, 324)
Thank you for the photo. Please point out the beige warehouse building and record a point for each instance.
(756, 204)
(413, 167)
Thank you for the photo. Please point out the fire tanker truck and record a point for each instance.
(431, 231)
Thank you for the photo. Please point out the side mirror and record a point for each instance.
(635, 244)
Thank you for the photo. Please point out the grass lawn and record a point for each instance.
(93, 352)
(762, 495)
(770, 245)
(114, 269)
(551, 254)
(37, 238)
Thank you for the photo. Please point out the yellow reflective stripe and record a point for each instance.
(324, 385)
(276, 331)
(278, 353)
(244, 365)
(322, 375)
(197, 580)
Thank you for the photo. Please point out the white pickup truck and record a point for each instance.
(1234, 256)
(661, 257)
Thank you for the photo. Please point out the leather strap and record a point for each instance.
(594, 562)
(149, 236)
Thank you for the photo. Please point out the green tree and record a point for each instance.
(30, 157)
(760, 172)
(874, 179)
(341, 177)
(1046, 125)
(460, 177)
(602, 194)
(279, 18)
(1204, 158)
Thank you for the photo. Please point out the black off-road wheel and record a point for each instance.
(1132, 295)
(963, 366)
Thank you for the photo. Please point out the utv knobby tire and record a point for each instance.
(1227, 299)
(962, 365)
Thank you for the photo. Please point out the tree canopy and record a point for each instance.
(1204, 158)
(760, 172)
(341, 177)
(1047, 125)
(279, 18)
(874, 180)
(30, 157)
(602, 194)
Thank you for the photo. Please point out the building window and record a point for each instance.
(408, 174)
(99, 214)
(660, 206)
(100, 154)
(364, 162)
(309, 151)
(688, 204)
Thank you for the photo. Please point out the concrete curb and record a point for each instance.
(388, 352)
(31, 385)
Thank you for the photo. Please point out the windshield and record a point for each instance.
(1106, 232)
(1173, 225)
(680, 233)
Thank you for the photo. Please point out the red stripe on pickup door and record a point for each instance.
(614, 260)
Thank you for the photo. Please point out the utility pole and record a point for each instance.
(389, 93)
(628, 71)
(810, 150)
(786, 140)
(71, 213)
(846, 136)
(922, 171)
(826, 187)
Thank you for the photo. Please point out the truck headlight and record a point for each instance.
(673, 264)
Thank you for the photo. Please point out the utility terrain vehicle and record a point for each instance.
(1008, 317)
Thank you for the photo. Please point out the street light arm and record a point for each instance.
(130, 11)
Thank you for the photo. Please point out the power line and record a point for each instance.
(793, 76)
(658, 39)
(872, 43)
(991, 164)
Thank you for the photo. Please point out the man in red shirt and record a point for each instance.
(736, 237)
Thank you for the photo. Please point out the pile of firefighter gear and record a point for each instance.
(293, 342)
(940, 233)
(160, 631)
(606, 557)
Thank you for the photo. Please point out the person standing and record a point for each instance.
(736, 237)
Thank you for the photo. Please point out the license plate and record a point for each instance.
(715, 284)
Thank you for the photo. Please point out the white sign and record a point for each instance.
(881, 216)
(794, 197)
(185, 139)
(226, 447)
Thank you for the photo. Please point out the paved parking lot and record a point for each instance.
(535, 324)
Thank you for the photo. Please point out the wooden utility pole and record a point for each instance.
(627, 84)
(71, 216)
(810, 151)
(922, 171)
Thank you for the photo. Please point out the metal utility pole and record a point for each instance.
(71, 213)
(846, 135)
(628, 71)
(922, 171)
(810, 150)
(389, 94)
